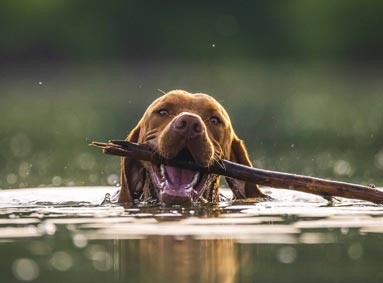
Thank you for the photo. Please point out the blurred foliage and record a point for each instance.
(301, 79)
(324, 121)
(89, 29)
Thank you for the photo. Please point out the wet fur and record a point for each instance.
(219, 141)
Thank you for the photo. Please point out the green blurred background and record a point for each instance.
(302, 80)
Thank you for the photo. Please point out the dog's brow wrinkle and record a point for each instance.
(150, 137)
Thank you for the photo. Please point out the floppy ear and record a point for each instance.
(242, 189)
(132, 174)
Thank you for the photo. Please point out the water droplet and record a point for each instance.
(61, 261)
(40, 83)
(70, 183)
(344, 230)
(112, 179)
(102, 261)
(80, 241)
(86, 161)
(213, 45)
(106, 200)
(56, 181)
(25, 269)
(11, 179)
(24, 169)
(287, 255)
(343, 168)
(355, 251)
(47, 228)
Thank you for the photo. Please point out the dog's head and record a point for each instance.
(184, 126)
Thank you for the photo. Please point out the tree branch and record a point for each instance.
(322, 187)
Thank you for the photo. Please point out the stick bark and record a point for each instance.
(317, 186)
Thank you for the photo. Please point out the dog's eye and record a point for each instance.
(163, 112)
(214, 120)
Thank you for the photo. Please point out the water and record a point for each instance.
(66, 235)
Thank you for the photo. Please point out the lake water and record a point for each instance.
(66, 235)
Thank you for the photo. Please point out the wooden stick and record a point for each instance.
(322, 187)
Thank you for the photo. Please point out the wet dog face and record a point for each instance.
(184, 126)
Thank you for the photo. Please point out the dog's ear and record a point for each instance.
(132, 174)
(241, 189)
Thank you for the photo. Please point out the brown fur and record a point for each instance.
(159, 132)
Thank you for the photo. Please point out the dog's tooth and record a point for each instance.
(195, 179)
(162, 170)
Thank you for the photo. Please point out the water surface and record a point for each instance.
(66, 235)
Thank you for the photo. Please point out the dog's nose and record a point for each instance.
(189, 126)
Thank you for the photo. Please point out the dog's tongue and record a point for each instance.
(178, 176)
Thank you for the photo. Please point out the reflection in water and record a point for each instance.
(54, 234)
(353, 258)
(172, 259)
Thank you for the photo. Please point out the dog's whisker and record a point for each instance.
(202, 199)
(219, 161)
(140, 171)
(221, 164)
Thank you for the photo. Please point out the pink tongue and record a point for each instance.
(178, 176)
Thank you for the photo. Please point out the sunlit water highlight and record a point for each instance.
(78, 234)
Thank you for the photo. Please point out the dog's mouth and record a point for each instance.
(178, 186)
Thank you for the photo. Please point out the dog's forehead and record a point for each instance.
(190, 101)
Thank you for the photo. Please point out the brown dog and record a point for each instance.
(184, 126)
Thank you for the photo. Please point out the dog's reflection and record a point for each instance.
(171, 259)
